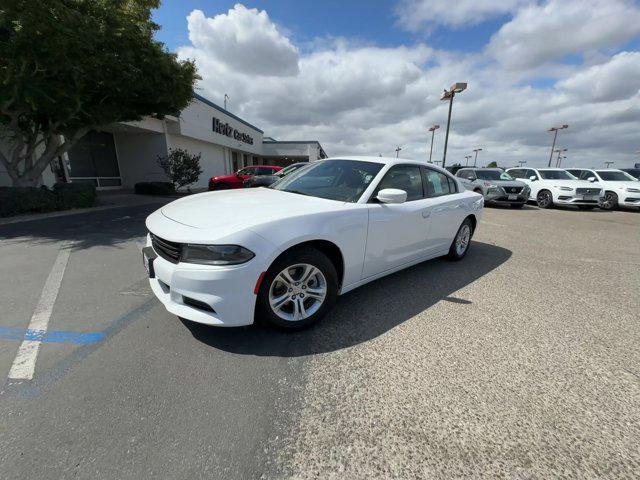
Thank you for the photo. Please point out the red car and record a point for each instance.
(235, 180)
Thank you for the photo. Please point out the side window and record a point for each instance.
(403, 177)
(531, 173)
(438, 184)
(585, 175)
(515, 173)
(575, 173)
(453, 188)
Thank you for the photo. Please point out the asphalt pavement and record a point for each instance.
(521, 361)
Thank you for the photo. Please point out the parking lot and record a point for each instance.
(522, 360)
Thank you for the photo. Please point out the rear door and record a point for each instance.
(446, 210)
(397, 233)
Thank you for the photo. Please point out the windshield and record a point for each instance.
(613, 176)
(493, 175)
(343, 180)
(556, 175)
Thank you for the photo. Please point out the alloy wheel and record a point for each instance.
(544, 199)
(297, 292)
(608, 201)
(462, 239)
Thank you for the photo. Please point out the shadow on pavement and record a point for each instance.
(366, 312)
(99, 228)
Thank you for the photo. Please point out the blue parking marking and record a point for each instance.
(51, 336)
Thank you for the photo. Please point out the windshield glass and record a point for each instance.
(613, 176)
(556, 175)
(289, 169)
(493, 175)
(343, 180)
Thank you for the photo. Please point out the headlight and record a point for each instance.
(566, 189)
(215, 254)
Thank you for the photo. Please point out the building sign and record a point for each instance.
(229, 131)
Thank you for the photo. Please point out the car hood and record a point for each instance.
(621, 185)
(231, 210)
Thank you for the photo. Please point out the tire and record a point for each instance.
(459, 247)
(297, 263)
(517, 205)
(610, 201)
(586, 207)
(544, 199)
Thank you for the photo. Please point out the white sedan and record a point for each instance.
(284, 253)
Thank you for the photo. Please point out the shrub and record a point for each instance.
(18, 200)
(181, 167)
(154, 188)
(74, 195)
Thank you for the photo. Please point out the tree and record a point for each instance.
(492, 165)
(70, 66)
(181, 167)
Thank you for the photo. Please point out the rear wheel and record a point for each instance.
(544, 199)
(298, 290)
(462, 241)
(610, 201)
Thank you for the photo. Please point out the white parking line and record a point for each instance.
(25, 362)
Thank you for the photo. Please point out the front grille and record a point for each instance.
(168, 250)
(588, 191)
(512, 189)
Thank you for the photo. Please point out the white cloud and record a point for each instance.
(414, 14)
(541, 33)
(244, 40)
(363, 99)
(616, 79)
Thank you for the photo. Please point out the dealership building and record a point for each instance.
(124, 154)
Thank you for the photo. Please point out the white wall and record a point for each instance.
(137, 157)
(212, 161)
(196, 122)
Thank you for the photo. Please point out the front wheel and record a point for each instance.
(460, 245)
(544, 199)
(610, 201)
(298, 290)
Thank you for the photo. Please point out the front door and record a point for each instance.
(397, 232)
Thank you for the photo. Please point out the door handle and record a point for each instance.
(426, 213)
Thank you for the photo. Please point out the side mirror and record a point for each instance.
(532, 178)
(591, 179)
(473, 179)
(392, 195)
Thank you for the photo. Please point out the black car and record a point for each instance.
(634, 172)
(266, 180)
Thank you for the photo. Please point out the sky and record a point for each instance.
(363, 77)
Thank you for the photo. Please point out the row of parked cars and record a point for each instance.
(584, 188)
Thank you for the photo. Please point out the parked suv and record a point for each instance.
(619, 187)
(555, 186)
(235, 180)
(495, 186)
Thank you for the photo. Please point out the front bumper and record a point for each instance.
(571, 198)
(223, 296)
(629, 199)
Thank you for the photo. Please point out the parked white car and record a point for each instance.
(619, 187)
(284, 253)
(554, 186)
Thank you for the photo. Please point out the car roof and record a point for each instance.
(389, 161)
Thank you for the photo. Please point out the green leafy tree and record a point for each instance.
(69, 66)
(181, 167)
(492, 165)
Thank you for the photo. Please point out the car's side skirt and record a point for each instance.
(348, 288)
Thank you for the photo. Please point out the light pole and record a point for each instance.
(555, 136)
(398, 148)
(437, 162)
(560, 160)
(467, 157)
(448, 95)
(606, 164)
(522, 162)
(226, 97)
(476, 159)
(432, 129)
(559, 151)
